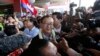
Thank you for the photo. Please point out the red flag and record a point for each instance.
(25, 4)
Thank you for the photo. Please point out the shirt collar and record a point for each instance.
(31, 29)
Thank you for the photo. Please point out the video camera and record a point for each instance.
(72, 4)
(94, 23)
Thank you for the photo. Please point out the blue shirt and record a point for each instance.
(33, 32)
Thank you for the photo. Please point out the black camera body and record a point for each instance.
(94, 23)
(73, 4)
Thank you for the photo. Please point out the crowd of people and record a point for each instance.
(57, 34)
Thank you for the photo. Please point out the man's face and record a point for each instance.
(47, 25)
(27, 24)
(10, 19)
(50, 50)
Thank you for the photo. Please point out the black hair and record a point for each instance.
(35, 47)
(10, 30)
(30, 20)
(42, 19)
(34, 21)
(9, 16)
(58, 14)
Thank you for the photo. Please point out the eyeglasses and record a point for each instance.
(48, 24)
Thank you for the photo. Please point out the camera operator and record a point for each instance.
(96, 9)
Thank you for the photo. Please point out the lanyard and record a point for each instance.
(41, 35)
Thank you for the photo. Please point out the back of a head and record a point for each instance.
(35, 47)
(10, 30)
(58, 15)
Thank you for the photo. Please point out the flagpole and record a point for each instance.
(21, 10)
(79, 3)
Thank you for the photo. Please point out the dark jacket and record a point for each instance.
(9, 44)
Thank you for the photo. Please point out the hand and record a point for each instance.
(54, 41)
(67, 49)
(95, 52)
(72, 52)
(64, 44)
